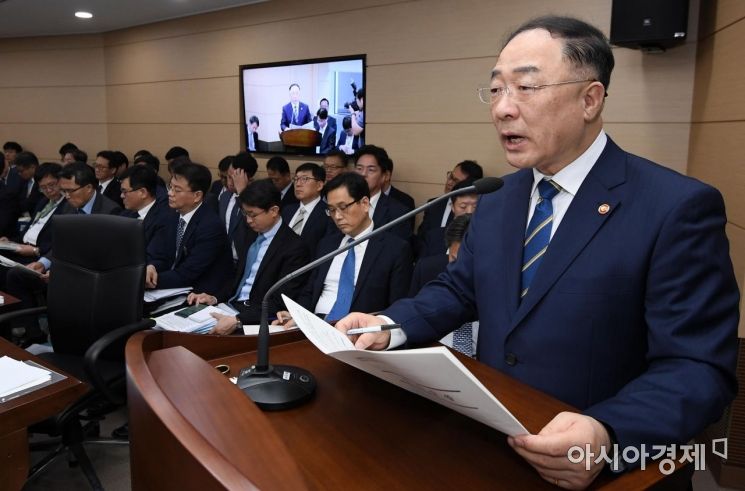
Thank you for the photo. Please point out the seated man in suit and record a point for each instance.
(241, 171)
(147, 159)
(395, 193)
(334, 163)
(220, 185)
(328, 134)
(26, 166)
(11, 186)
(253, 133)
(348, 142)
(196, 251)
(278, 171)
(370, 276)
(431, 242)
(324, 104)
(275, 252)
(374, 165)
(174, 153)
(10, 150)
(598, 277)
(295, 112)
(308, 218)
(440, 214)
(106, 167)
(139, 187)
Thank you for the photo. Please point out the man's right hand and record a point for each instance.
(201, 298)
(151, 276)
(376, 341)
(284, 320)
(36, 266)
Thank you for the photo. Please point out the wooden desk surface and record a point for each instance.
(358, 433)
(20, 412)
(8, 300)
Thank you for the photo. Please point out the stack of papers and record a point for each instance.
(199, 322)
(16, 376)
(9, 263)
(7, 245)
(434, 373)
(155, 295)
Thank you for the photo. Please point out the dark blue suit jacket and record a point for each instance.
(384, 275)
(317, 225)
(238, 228)
(328, 141)
(632, 315)
(303, 115)
(203, 261)
(154, 226)
(388, 209)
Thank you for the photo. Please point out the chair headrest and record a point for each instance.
(98, 242)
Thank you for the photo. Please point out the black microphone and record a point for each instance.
(278, 387)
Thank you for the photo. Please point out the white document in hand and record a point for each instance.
(434, 373)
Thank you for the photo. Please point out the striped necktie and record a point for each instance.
(538, 234)
(297, 227)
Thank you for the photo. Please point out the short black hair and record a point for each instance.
(2, 163)
(141, 177)
(109, 156)
(175, 152)
(48, 169)
(322, 113)
(261, 194)
(140, 153)
(585, 46)
(149, 160)
(79, 155)
(456, 229)
(356, 185)
(81, 173)
(315, 169)
(361, 93)
(254, 119)
(26, 159)
(120, 159)
(346, 123)
(67, 148)
(381, 156)
(245, 161)
(13, 146)
(293, 85)
(225, 163)
(336, 152)
(463, 184)
(471, 168)
(278, 164)
(197, 176)
(324, 99)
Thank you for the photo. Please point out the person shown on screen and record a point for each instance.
(348, 142)
(358, 118)
(294, 113)
(598, 277)
(324, 104)
(253, 133)
(328, 134)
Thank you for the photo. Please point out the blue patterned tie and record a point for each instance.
(463, 339)
(251, 256)
(346, 288)
(538, 234)
(180, 233)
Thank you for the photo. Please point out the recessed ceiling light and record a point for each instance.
(83, 15)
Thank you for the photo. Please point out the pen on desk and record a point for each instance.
(363, 330)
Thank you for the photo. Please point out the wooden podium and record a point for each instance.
(300, 139)
(190, 428)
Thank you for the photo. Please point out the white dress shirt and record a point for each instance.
(308, 210)
(142, 213)
(373, 203)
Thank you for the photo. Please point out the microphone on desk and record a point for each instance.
(278, 387)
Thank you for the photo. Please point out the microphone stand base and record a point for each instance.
(281, 387)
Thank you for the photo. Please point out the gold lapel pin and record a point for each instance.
(604, 208)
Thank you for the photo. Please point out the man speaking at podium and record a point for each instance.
(598, 277)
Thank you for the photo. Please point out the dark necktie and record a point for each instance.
(346, 287)
(538, 234)
(180, 230)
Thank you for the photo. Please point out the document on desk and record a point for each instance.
(434, 373)
(16, 376)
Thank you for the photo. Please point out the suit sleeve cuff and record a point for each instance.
(398, 336)
(46, 262)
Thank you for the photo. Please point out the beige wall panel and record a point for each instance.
(390, 36)
(207, 143)
(51, 43)
(666, 144)
(651, 87)
(717, 14)
(45, 139)
(54, 105)
(43, 68)
(720, 76)
(716, 157)
(214, 100)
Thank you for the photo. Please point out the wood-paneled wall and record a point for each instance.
(176, 82)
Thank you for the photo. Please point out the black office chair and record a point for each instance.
(94, 303)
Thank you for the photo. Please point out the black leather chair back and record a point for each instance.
(97, 279)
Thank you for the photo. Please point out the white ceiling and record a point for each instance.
(21, 18)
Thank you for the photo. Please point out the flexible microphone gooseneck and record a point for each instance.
(277, 387)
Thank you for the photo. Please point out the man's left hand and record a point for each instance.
(226, 324)
(547, 451)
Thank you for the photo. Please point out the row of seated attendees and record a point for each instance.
(232, 239)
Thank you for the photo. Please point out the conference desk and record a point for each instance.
(8, 301)
(190, 428)
(18, 413)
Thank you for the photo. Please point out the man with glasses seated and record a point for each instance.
(106, 167)
(431, 243)
(272, 253)
(334, 163)
(195, 248)
(308, 218)
(370, 276)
